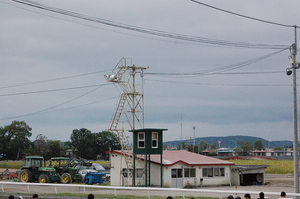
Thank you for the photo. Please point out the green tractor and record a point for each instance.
(64, 166)
(35, 171)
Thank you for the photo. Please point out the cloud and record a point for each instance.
(37, 45)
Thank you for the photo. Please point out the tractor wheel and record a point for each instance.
(43, 178)
(66, 178)
(25, 176)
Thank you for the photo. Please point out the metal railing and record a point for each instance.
(147, 192)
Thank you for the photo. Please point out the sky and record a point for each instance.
(53, 65)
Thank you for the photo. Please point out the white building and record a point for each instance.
(179, 169)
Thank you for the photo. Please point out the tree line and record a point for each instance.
(15, 143)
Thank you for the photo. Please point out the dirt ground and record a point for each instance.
(274, 183)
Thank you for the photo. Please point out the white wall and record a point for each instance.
(118, 163)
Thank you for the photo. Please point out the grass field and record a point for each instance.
(275, 166)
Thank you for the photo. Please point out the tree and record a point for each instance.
(181, 146)
(106, 141)
(84, 141)
(244, 149)
(202, 146)
(54, 149)
(14, 140)
(40, 145)
(258, 145)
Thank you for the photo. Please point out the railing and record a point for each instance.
(11, 187)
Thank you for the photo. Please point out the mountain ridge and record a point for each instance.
(231, 141)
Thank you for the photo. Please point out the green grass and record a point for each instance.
(275, 166)
(11, 164)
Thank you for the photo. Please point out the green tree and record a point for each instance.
(83, 140)
(182, 145)
(202, 146)
(54, 149)
(244, 148)
(106, 141)
(258, 145)
(14, 140)
(40, 146)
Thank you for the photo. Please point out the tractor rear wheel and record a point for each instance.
(25, 176)
(66, 178)
(43, 178)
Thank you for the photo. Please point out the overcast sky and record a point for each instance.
(45, 51)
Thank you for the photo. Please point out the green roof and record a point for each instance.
(147, 129)
(60, 158)
(34, 157)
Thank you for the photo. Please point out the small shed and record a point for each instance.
(180, 169)
(248, 174)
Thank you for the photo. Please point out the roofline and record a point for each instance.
(147, 129)
(180, 161)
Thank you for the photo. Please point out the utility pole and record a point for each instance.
(295, 65)
(295, 115)
(194, 128)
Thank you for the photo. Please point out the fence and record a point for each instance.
(147, 192)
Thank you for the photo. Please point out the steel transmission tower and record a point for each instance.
(130, 108)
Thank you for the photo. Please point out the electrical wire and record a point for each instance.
(209, 84)
(53, 107)
(49, 80)
(57, 110)
(222, 69)
(52, 90)
(150, 31)
(244, 16)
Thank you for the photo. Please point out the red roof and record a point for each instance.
(192, 159)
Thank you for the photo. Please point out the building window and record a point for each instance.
(154, 140)
(176, 173)
(141, 140)
(189, 172)
(213, 172)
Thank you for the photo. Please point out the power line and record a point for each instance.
(150, 31)
(210, 84)
(49, 111)
(222, 69)
(53, 107)
(49, 80)
(52, 90)
(244, 16)
(220, 73)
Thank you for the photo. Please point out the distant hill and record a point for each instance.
(231, 141)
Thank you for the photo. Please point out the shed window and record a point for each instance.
(189, 172)
(213, 172)
(154, 139)
(141, 140)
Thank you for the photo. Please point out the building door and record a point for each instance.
(176, 177)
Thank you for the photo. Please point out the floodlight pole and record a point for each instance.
(295, 114)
